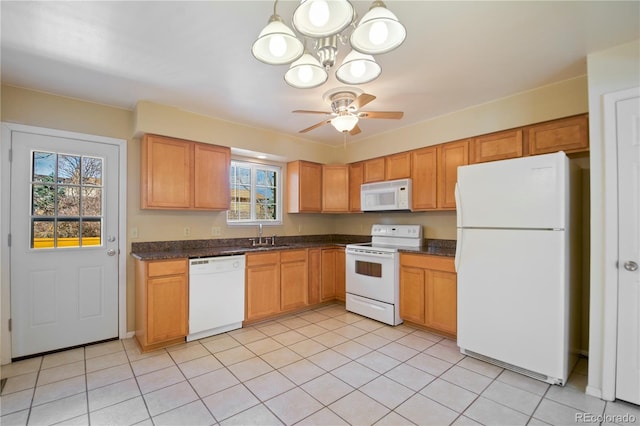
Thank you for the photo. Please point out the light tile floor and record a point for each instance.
(321, 367)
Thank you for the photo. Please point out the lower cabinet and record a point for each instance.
(332, 277)
(162, 302)
(428, 291)
(276, 282)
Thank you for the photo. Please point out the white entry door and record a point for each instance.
(64, 248)
(628, 346)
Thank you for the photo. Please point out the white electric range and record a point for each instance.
(373, 271)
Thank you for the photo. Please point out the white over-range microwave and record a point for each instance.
(386, 196)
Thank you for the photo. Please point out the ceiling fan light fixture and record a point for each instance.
(344, 122)
(277, 44)
(358, 68)
(322, 18)
(306, 73)
(379, 31)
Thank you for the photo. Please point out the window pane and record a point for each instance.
(254, 192)
(68, 200)
(44, 200)
(68, 233)
(68, 169)
(91, 201)
(91, 233)
(91, 171)
(44, 166)
(42, 234)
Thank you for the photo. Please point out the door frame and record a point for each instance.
(5, 225)
(610, 294)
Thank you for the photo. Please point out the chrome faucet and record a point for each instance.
(259, 233)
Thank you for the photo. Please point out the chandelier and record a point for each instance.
(324, 23)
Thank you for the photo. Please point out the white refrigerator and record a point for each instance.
(512, 261)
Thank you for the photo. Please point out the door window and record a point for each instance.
(66, 200)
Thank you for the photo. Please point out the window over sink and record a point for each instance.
(255, 194)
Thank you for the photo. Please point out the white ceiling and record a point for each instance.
(197, 56)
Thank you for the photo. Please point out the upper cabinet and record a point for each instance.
(304, 187)
(397, 166)
(496, 146)
(424, 174)
(374, 170)
(568, 134)
(356, 178)
(335, 188)
(181, 175)
(451, 156)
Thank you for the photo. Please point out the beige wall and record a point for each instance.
(46, 110)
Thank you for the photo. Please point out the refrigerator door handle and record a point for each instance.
(456, 262)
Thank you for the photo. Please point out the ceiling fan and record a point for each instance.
(345, 104)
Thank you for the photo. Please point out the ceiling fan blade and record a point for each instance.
(362, 100)
(355, 130)
(306, 111)
(315, 126)
(381, 114)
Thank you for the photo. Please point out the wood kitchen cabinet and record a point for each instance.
(177, 174)
(397, 166)
(294, 286)
(451, 155)
(496, 146)
(332, 280)
(304, 187)
(567, 134)
(356, 179)
(374, 170)
(162, 302)
(314, 274)
(262, 285)
(428, 291)
(424, 176)
(335, 188)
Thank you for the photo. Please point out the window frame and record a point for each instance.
(279, 185)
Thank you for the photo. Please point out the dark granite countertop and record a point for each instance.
(236, 246)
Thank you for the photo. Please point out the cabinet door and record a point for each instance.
(568, 135)
(262, 287)
(424, 175)
(356, 178)
(374, 170)
(166, 173)
(315, 275)
(294, 286)
(335, 188)
(398, 166)
(340, 272)
(167, 308)
(304, 187)
(452, 155)
(211, 177)
(441, 301)
(328, 277)
(412, 294)
(497, 146)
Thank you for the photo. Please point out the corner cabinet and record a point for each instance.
(304, 187)
(428, 292)
(162, 302)
(570, 135)
(177, 174)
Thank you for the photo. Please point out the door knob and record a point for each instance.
(630, 265)
(111, 252)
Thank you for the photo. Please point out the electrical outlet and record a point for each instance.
(187, 231)
(215, 231)
(133, 233)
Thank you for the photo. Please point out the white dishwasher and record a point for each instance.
(216, 295)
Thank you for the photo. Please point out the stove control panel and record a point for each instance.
(400, 231)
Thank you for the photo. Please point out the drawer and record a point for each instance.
(254, 259)
(158, 268)
(293, 256)
(425, 261)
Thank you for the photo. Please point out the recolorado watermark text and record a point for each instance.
(605, 418)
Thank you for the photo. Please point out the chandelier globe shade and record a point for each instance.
(306, 73)
(277, 44)
(322, 18)
(379, 31)
(358, 68)
(344, 122)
